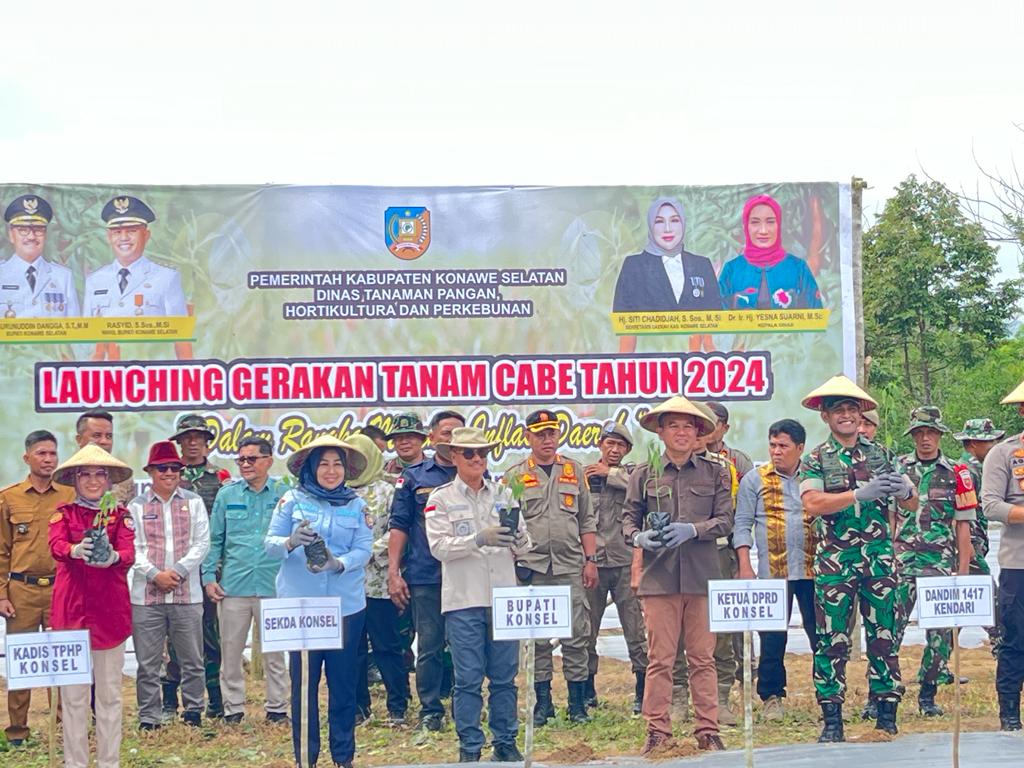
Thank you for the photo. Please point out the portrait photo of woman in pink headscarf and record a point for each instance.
(765, 275)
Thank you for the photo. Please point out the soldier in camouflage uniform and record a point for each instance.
(845, 485)
(934, 541)
(979, 436)
(200, 476)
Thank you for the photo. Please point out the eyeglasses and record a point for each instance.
(25, 230)
(162, 468)
(469, 453)
(243, 460)
(99, 474)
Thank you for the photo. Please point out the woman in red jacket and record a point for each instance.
(91, 592)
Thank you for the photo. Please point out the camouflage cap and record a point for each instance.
(406, 424)
(192, 422)
(926, 416)
(980, 429)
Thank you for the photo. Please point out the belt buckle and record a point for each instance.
(44, 581)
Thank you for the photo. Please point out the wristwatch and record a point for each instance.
(591, 558)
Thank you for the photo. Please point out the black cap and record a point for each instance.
(28, 210)
(126, 211)
(540, 420)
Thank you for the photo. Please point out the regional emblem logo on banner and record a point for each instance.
(407, 231)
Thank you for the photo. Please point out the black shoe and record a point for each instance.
(468, 756)
(506, 753)
(16, 742)
(169, 697)
(234, 719)
(433, 722)
(870, 711)
(832, 715)
(578, 702)
(590, 694)
(277, 717)
(396, 719)
(887, 716)
(346, 764)
(214, 703)
(362, 715)
(638, 692)
(193, 719)
(1009, 712)
(544, 710)
(926, 701)
(149, 726)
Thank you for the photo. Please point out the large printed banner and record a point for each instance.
(289, 311)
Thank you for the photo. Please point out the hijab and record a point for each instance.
(652, 213)
(337, 497)
(763, 258)
(374, 461)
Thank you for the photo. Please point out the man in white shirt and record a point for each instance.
(477, 554)
(31, 286)
(172, 536)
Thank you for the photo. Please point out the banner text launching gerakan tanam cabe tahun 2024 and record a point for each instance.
(288, 311)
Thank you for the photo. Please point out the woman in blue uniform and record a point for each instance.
(323, 507)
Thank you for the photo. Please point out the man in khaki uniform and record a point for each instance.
(607, 480)
(96, 427)
(675, 510)
(26, 566)
(563, 526)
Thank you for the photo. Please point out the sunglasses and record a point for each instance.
(99, 474)
(243, 460)
(163, 468)
(469, 453)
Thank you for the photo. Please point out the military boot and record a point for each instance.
(832, 715)
(591, 693)
(870, 711)
(169, 701)
(1009, 712)
(578, 702)
(638, 692)
(887, 716)
(926, 701)
(681, 704)
(214, 702)
(544, 709)
(726, 716)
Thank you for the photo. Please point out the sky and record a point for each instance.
(524, 93)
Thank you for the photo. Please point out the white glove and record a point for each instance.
(301, 536)
(332, 564)
(675, 534)
(494, 536)
(648, 540)
(82, 549)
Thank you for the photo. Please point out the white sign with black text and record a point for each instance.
(740, 605)
(531, 613)
(44, 659)
(300, 624)
(955, 601)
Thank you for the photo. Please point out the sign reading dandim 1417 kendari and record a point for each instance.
(286, 312)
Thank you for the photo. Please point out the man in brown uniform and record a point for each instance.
(680, 556)
(96, 427)
(26, 566)
(561, 522)
(607, 480)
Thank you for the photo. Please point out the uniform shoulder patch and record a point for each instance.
(400, 482)
(56, 517)
(129, 523)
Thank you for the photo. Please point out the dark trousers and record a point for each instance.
(771, 671)
(475, 654)
(340, 667)
(429, 623)
(381, 630)
(1010, 662)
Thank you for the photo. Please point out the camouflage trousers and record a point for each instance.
(836, 598)
(934, 667)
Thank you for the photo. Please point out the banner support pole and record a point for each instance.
(304, 709)
(748, 706)
(956, 697)
(52, 725)
(531, 701)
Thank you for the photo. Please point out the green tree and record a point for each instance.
(930, 301)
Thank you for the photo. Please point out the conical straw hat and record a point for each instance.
(681, 405)
(355, 462)
(1017, 396)
(839, 386)
(91, 456)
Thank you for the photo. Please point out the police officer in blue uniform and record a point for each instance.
(414, 576)
(31, 286)
(132, 285)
